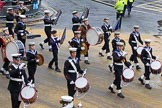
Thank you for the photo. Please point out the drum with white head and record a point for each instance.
(94, 35)
(156, 67)
(28, 94)
(82, 85)
(128, 75)
(139, 51)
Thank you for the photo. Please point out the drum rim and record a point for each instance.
(78, 78)
(130, 69)
(29, 98)
(158, 61)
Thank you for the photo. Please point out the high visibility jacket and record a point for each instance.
(131, 1)
(119, 7)
(125, 2)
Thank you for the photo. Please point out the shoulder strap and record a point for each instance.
(74, 67)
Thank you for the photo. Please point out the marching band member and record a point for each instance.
(76, 21)
(55, 42)
(17, 79)
(76, 42)
(20, 29)
(119, 60)
(31, 62)
(72, 70)
(107, 32)
(146, 57)
(134, 41)
(84, 28)
(4, 39)
(10, 20)
(47, 28)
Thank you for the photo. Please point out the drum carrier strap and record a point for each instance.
(74, 67)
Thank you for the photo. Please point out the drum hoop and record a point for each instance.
(158, 61)
(31, 97)
(126, 69)
(85, 85)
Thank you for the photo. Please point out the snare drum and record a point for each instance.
(139, 51)
(94, 35)
(13, 47)
(128, 75)
(82, 85)
(28, 94)
(156, 67)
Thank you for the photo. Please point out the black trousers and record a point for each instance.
(118, 72)
(106, 45)
(134, 56)
(10, 28)
(147, 73)
(75, 28)
(78, 54)
(129, 7)
(31, 72)
(14, 99)
(54, 59)
(6, 64)
(125, 7)
(119, 15)
(19, 37)
(48, 34)
(71, 89)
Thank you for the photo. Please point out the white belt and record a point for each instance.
(108, 32)
(118, 64)
(20, 30)
(9, 21)
(47, 25)
(134, 42)
(16, 79)
(71, 71)
(76, 24)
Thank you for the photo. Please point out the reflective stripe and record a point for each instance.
(76, 24)
(47, 25)
(71, 71)
(16, 79)
(118, 64)
(133, 41)
(9, 21)
(20, 30)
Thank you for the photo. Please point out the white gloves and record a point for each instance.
(148, 58)
(82, 17)
(147, 64)
(131, 66)
(135, 48)
(22, 65)
(82, 48)
(84, 72)
(29, 84)
(157, 58)
(37, 60)
(71, 82)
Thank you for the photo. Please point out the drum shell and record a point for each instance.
(31, 100)
(41, 59)
(139, 54)
(83, 89)
(156, 71)
(127, 80)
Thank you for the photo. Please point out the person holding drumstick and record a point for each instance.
(72, 70)
(146, 57)
(17, 79)
(31, 62)
(134, 41)
(119, 60)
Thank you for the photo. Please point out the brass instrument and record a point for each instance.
(83, 52)
(40, 58)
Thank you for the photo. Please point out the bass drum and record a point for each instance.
(13, 47)
(95, 35)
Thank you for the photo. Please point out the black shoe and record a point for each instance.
(8, 76)
(1, 72)
(57, 70)
(86, 62)
(50, 67)
(110, 68)
(50, 50)
(141, 80)
(101, 54)
(109, 57)
(121, 95)
(41, 45)
(111, 89)
(148, 86)
(138, 67)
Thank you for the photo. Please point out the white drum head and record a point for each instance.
(81, 82)
(27, 92)
(155, 65)
(128, 73)
(11, 48)
(139, 50)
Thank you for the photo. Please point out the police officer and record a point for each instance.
(107, 29)
(129, 6)
(55, 42)
(76, 21)
(47, 28)
(135, 41)
(146, 57)
(32, 62)
(10, 20)
(18, 79)
(20, 29)
(118, 60)
(84, 28)
(76, 42)
(71, 71)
